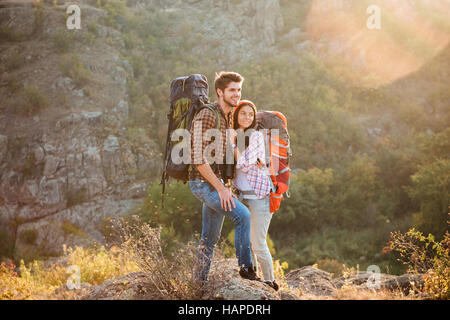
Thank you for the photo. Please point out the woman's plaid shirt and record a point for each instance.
(257, 177)
(206, 139)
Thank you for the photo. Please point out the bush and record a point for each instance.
(333, 266)
(31, 102)
(68, 229)
(423, 254)
(62, 41)
(309, 204)
(363, 247)
(6, 242)
(13, 62)
(37, 281)
(98, 264)
(173, 275)
(114, 8)
(430, 188)
(181, 216)
(29, 236)
(71, 66)
(76, 196)
(11, 286)
(92, 28)
(30, 167)
(9, 35)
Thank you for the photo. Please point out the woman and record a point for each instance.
(253, 183)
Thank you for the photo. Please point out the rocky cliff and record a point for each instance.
(66, 168)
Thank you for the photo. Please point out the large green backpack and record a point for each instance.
(188, 95)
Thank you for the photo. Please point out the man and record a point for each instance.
(207, 179)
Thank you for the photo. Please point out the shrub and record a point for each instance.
(333, 266)
(39, 16)
(172, 275)
(131, 40)
(92, 28)
(31, 102)
(37, 281)
(11, 286)
(430, 188)
(310, 202)
(71, 66)
(68, 229)
(6, 242)
(9, 35)
(98, 264)
(114, 8)
(30, 167)
(180, 217)
(423, 254)
(62, 41)
(89, 38)
(14, 62)
(29, 236)
(76, 196)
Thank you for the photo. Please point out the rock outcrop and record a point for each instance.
(225, 284)
(311, 280)
(70, 166)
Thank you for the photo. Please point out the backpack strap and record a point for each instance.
(213, 109)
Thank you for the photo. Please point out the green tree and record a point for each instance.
(430, 189)
(309, 206)
(355, 191)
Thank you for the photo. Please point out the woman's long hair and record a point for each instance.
(241, 104)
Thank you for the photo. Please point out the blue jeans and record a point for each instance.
(212, 222)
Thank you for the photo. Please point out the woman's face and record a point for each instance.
(245, 117)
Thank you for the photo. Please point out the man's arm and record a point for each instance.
(207, 121)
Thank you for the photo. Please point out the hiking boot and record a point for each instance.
(249, 273)
(272, 284)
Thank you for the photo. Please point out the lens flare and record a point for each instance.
(410, 33)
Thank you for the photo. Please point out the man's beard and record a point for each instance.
(230, 103)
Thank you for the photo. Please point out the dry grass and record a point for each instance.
(352, 292)
(173, 275)
(40, 280)
(355, 293)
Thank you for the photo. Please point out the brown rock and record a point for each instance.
(311, 280)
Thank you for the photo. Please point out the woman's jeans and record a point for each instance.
(261, 217)
(212, 221)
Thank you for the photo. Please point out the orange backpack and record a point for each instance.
(278, 153)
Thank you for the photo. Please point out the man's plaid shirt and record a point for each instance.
(200, 140)
(257, 177)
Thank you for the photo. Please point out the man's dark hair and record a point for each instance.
(223, 79)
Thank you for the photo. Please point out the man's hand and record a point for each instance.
(225, 194)
(226, 199)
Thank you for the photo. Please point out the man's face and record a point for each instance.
(232, 94)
